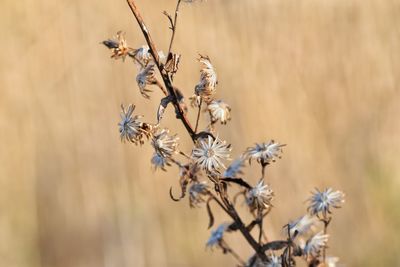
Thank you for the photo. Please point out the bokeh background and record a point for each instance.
(319, 75)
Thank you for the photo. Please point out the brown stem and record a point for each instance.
(198, 115)
(164, 74)
(261, 218)
(326, 222)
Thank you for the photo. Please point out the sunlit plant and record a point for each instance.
(204, 174)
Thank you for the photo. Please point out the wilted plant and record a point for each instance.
(203, 172)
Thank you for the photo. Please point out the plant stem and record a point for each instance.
(198, 115)
(164, 74)
(174, 26)
(228, 207)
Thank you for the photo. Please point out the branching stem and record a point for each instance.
(225, 204)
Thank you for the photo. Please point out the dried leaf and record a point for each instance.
(238, 181)
(161, 108)
(172, 196)
(210, 214)
(275, 245)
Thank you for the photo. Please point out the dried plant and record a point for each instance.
(203, 173)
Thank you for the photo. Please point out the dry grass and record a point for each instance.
(319, 75)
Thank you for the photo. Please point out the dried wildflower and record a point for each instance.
(322, 201)
(146, 77)
(302, 225)
(171, 66)
(260, 196)
(164, 144)
(118, 46)
(196, 193)
(208, 154)
(159, 162)
(208, 79)
(265, 153)
(130, 127)
(142, 55)
(315, 244)
(235, 168)
(217, 235)
(219, 110)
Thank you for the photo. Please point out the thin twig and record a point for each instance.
(173, 26)
(198, 115)
(261, 218)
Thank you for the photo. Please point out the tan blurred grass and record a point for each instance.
(321, 76)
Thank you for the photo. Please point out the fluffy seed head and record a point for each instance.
(209, 153)
(208, 79)
(265, 153)
(321, 202)
(220, 111)
(130, 127)
(315, 244)
(164, 144)
(260, 196)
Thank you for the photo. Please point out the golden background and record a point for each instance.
(321, 76)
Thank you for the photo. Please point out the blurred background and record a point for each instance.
(321, 76)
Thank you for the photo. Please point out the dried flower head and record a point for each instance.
(159, 162)
(217, 235)
(118, 46)
(265, 153)
(209, 153)
(260, 196)
(322, 201)
(302, 225)
(235, 168)
(219, 110)
(146, 77)
(196, 193)
(142, 55)
(164, 144)
(131, 129)
(315, 244)
(208, 79)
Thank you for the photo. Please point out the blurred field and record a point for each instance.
(319, 75)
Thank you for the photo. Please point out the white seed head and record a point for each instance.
(314, 245)
(146, 76)
(130, 127)
(302, 225)
(208, 79)
(209, 153)
(265, 153)
(322, 201)
(219, 111)
(260, 196)
(164, 144)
